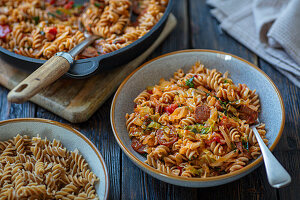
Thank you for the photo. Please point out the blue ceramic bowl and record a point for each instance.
(241, 71)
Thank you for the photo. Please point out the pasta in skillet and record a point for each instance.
(39, 29)
(40, 169)
(196, 124)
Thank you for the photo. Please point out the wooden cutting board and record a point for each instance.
(76, 100)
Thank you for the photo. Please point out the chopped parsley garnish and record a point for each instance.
(233, 146)
(77, 5)
(194, 130)
(58, 12)
(36, 19)
(190, 83)
(98, 4)
(221, 102)
(225, 113)
(51, 14)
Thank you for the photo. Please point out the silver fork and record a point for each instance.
(277, 176)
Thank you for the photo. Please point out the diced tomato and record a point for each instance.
(53, 31)
(51, 1)
(217, 139)
(170, 109)
(209, 141)
(172, 137)
(180, 169)
(150, 91)
(50, 33)
(4, 30)
(69, 5)
(138, 146)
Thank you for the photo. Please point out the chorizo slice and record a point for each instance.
(166, 139)
(202, 113)
(248, 114)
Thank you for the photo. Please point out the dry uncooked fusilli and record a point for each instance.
(39, 169)
(196, 124)
(39, 29)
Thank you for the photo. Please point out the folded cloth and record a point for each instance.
(270, 28)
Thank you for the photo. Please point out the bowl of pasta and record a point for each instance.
(185, 117)
(44, 159)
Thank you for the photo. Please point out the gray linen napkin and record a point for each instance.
(270, 28)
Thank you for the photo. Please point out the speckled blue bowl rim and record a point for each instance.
(138, 162)
(47, 121)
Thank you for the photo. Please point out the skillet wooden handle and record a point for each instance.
(49, 72)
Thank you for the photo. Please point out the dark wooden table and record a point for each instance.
(196, 29)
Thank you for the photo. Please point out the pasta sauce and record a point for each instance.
(196, 124)
(39, 29)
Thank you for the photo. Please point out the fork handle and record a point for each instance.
(277, 175)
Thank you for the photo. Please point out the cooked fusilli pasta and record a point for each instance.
(39, 169)
(196, 124)
(39, 29)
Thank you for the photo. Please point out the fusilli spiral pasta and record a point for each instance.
(39, 29)
(196, 124)
(44, 171)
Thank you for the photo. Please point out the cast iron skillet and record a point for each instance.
(87, 67)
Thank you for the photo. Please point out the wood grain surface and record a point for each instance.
(72, 99)
(196, 28)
